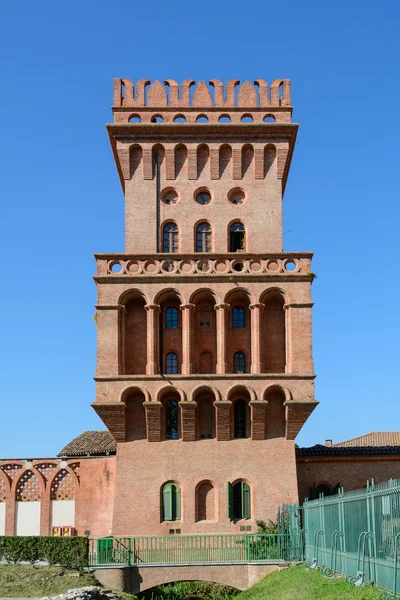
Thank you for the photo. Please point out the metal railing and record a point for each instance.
(356, 534)
(196, 549)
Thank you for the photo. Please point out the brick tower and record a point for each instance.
(204, 370)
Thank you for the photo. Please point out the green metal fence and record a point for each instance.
(196, 549)
(356, 534)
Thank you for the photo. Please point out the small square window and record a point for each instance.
(242, 528)
(248, 527)
(171, 531)
(177, 530)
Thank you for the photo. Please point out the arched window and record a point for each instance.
(238, 321)
(239, 419)
(239, 501)
(237, 242)
(171, 363)
(203, 237)
(239, 362)
(171, 318)
(171, 420)
(170, 237)
(171, 502)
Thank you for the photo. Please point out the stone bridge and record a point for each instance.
(139, 578)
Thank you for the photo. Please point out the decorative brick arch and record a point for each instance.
(277, 388)
(63, 484)
(205, 388)
(4, 488)
(165, 293)
(238, 387)
(134, 388)
(11, 470)
(127, 295)
(237, 291)
(275, 290)
(170, 388)
(29, 486)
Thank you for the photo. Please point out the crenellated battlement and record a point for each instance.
(191, 97)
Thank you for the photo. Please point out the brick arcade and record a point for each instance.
(204, 366)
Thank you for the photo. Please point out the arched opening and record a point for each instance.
(135, 416)
(27, 509)
(158, 156)
(269, 119)
(170, 332)
(203, 155)
(205, 414)
(247, 159)
(204, 332)
(273, 334)
(239, 501)
(238, 332)
(240, 413)
(172, 419)
(180, 160)
(275, 425)
(202, 119)
(269, 158)
(171, 363)
(205, 502)
(3, 498)
(237, 237)
(247, 119)
(224, 119)
(157, 119)
(134, 336)
(170, 502)
(135, 159)
(135, 119)
(179, 119)
(322, 488)
(170, 237)
(62, 499)
(225, 156)
(203, 237)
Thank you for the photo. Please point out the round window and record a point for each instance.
(170, 197)
(203, 197)
(236, 196)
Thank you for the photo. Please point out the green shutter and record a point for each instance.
(167, 502)
(245, 501)
(176, 503)
(230, 501)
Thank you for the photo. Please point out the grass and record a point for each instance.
(299, 583)
(17, 581)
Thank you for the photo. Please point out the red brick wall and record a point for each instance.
(350, 472)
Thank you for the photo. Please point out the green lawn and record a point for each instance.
(299, 583)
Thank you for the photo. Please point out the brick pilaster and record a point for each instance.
(223, 420)
(153, 420)
(188, 422)
(258, 408)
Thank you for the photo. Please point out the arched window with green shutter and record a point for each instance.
(239, 501)
(171, 502)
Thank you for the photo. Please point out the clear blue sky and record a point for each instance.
(62, 201)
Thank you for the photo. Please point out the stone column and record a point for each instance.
(221, 337)
(256, 310)
(223, 408)
(187, 360)
(152, 366)
(188, 420)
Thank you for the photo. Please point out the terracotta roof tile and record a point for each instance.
(377, 439)
(319, 450)
(90, 443)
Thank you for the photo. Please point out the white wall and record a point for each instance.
(27, 518)
(62, 513)
(2, 518)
